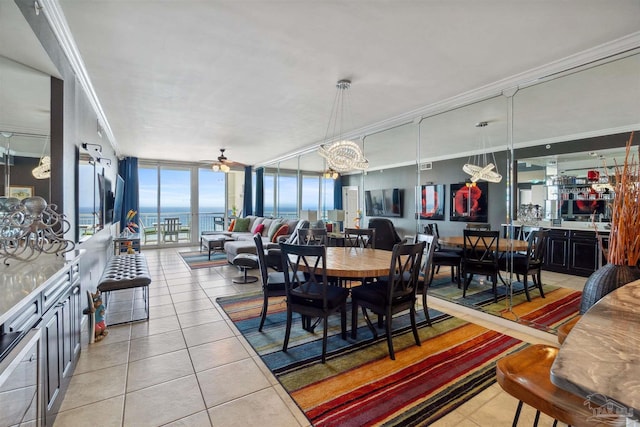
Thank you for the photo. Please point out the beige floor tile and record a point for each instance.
(190, 306)
(217, 353)
(192, 286)
(263, 408)
(455, 419)
(158, 369)
(155, 326)
(231, 381)
(188, 296)
(207, 332)
(98, 356)
(94, 387)
(118, 333)
(105, 413)
(163, 403)
(161, 311)
(201, 419)
(195, 318)
(160, 300)
(156, 344)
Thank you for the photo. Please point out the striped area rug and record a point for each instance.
(558, 307)
(360, 385)
(198, 259)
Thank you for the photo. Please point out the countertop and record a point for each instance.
(22, 280)
(600, 359)
(570, 225)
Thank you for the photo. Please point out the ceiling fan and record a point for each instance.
(222, 163)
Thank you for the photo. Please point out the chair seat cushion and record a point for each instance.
(376, 293)
(441, 256)
(519, 263)
(336, 296)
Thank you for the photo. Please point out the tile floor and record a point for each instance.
(189, 366)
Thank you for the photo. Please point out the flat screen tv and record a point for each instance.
(117, 204)
(385, 203)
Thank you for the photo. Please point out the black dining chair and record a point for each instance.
(426, 270)
(273, 283)
(529, 264)
(480, 256)
(360, 237)
(311, 295)
(391, 295)
(443, 257)
(313, 236)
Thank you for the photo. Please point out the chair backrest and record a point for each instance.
(293, 237)
(386, 235)
(537, 246)
(360, 237)
(312, 236)
(481, 246)
(478, 226)
(431, 229)
(404, 270)
(262, 262)
(310, 260)
(427, 255)
(526, 231)
(171, 225)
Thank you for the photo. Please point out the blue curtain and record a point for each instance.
(247, 207)
(128, 170)
(260, 192)
(337, 193)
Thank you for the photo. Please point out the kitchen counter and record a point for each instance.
(570, 225)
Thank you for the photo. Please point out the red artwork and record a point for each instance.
(469, 202)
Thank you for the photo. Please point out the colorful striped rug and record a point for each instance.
(558, 307)
(198, 259)
(360, 385)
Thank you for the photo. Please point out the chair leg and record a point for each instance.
(263, 314)
(537, 279)
(414, 327)
(288, 330)
(536, 419)
(425, 307)
(324, 338)
(515, 419)
(467, 281)
(494, 287)
(392, 354)
(343, 321)
(526, 287)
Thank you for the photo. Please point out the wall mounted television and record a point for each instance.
(385, 203)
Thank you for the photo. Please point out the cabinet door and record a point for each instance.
(584, 256)
(557, 254)
(52, 359)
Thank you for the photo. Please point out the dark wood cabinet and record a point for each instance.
(557, 254)
(572, 252)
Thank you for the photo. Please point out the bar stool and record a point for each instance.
(526, 376)
(564, 329)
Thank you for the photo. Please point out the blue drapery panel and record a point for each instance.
(128, 170)
(247, 207)
(260, 192)
(337, 193)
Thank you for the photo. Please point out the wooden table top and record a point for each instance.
(357, 262)
(601, 355)
(504, 245)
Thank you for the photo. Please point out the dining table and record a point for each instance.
(504, 245)
(357, 263)
(600, 358)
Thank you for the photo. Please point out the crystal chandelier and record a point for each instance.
(479, 167)
(342, 155)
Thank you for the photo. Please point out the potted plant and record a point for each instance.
(623, 250)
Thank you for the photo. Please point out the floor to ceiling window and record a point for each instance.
(211, 200)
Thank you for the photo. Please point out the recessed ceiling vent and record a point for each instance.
(426, 166)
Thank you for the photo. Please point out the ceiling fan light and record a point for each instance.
(215, 167)
(224, 168)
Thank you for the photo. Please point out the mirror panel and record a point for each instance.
(24, 128)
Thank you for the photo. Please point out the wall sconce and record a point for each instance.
(94, 150)
(105, 161)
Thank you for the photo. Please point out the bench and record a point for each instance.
(128, 271)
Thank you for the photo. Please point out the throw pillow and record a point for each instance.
(259, 229)
(233, 223)
(282, 231)
(242, 225)
(275, 225)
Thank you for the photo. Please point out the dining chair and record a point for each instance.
(147, 230)
(391, 295)
(311, 295)
(386, 234)
(480, 256)
(273, 283)
(171, 229)
(478, 226)
(426, 271)
(360, 237)
(444, 257)
(313, 236)
(529, 263)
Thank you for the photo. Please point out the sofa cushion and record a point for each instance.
(292, 223)
(242, 225)
(258, 229)
(282, 231)
(267, 224)
(273, 228)
(232, 224)
(256, 223)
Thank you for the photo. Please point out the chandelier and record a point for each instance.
(217, 167)
(342, 155)
(479, 166)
